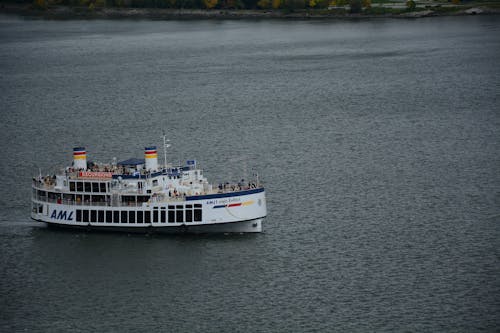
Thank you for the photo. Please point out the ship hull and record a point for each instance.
(236, 212)
(252, 226)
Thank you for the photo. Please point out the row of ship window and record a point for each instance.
(174, 214)
(86, 198)
(95, 187)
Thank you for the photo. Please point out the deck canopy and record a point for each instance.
(132, 162)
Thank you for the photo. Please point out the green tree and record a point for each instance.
(250, 4)
(411, 5)
(321, 3)
(291, 5)
(356, 6)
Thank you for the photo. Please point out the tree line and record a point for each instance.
(354, 5)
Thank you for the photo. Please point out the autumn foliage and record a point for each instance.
(209, 4)
(287, 5)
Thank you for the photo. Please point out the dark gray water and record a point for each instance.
(378, 141)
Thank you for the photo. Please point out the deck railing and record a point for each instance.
(86, 203)
(114, 199)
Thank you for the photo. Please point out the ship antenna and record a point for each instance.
(165, 146)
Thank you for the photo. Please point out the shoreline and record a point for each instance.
(71, 13)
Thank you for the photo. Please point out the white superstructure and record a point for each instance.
(141, 195)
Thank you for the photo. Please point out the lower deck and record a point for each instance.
(221, 213)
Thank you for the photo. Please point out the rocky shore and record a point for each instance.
(65, 12)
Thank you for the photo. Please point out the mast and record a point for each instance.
(165, 146)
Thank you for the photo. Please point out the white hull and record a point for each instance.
(238, 212)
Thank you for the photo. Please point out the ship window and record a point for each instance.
(79, 186)
(87, 187)
(129, 200)
(155, 216)
(116, 216)
(140, 217)
(41, 195)
(69, 197)
(95, 187)
(155, 182)
(179, 216)
(78, 215)
(197, 205)
(100, 216)
(189, 206)
(197, 215)
(40, 209)
(109, 216)
(72, 186)
(163, 215)
(131, 217)
(189, 215)
(85, 216)
(171, 216)
(124, 216)
(103, 187)
(93, 216)
(147, 217)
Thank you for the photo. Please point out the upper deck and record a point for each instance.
(94, 193)
(133, 182)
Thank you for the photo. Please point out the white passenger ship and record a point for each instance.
(139, 195)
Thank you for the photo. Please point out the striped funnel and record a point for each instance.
(151, 158)
(79, 158)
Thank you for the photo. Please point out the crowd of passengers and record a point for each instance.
(233, 187)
